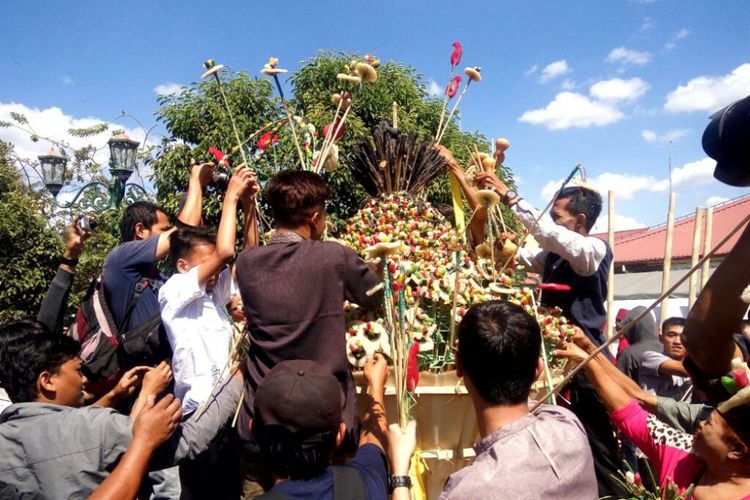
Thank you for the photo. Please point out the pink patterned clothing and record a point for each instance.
(681, 466)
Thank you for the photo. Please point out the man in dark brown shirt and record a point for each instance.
(293, 290)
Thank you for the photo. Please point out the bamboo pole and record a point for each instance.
(705, 271)
(667, 268)
(693, 289)
(646, 311)
(611, 277)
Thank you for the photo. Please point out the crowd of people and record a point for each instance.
(148, 395)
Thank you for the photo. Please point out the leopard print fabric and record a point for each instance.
(666, 435)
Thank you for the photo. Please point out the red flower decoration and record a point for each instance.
(458, 51)
(340, 133)
(412, 367)
(452, 87)
(554, 287)
(217, 153)
(267, 139)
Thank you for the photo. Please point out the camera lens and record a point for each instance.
(220, 179)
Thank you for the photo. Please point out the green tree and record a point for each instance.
(31, 248)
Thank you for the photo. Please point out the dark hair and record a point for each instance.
(184, 239)
(295, 194)
(140, 212)
(9, 333)
(295, 455)
(673, 321)
(582, 201)
(499, 345)
(32, 352)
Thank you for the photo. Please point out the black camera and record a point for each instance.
(87, 223)
(221, 179)
(727, 140)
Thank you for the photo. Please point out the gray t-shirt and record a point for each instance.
(668, 386)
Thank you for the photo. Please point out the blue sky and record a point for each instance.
(602, 83)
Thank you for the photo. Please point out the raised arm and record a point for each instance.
(200, 176)
(251, 237)
(55, 301)
(375, 422)
(718, 310)
(227, 233)
(479, 219)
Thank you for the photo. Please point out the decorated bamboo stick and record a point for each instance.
(706, 270)
(453, 111)
(643, 314)
(667, 265)
(611, 274)
(694, 278)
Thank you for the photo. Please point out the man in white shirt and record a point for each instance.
(192, 300)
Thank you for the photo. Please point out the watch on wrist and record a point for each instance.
(395, 481)
(510, 195)
(68, 262)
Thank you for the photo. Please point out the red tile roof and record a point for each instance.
(647, 245)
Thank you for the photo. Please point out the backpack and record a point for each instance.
(106, 348)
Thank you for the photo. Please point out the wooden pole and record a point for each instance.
(611, 278)
(709, 218)
(693, 288)
(667, 268)
(643, 313)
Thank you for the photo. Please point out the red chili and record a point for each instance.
(555, 287)
(412, 367)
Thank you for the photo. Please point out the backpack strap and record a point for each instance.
(142, 284)
(347, 483)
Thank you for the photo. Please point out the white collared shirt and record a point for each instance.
(199, 331)
(584, 253)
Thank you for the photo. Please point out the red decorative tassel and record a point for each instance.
(412, 367)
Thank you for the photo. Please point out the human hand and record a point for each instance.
(569, 350)
(453, 164)
(239, 184)
(157, 421)
(129, 381)
(75, 240)
(401, 446)
(488, 180)
(248, 199)
(203, 173)
(376, 371)
(156, 380)
(581, 340)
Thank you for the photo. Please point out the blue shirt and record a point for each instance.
(123, 268)
(369, 461)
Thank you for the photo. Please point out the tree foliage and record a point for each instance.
(30, 250)
(196, 119)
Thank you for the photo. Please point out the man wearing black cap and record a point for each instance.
(298, 424)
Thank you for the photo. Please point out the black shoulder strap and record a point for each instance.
(142, 284)
(347, 483)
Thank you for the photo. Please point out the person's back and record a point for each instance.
(544, 454)
(537, 456)
(293, 290)
(642, 337)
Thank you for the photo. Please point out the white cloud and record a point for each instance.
(168, 89)
(433, 89)
(622, 223)
(67, 80)
(715, 200)
(626, 186)
(618, 90)
(54, 123)
(531, 70)
(647, 24)
(683, 33)
(553, 70)
(570, 109)
(669, 136)
(623, 55)
(568, 84)
(710, 93)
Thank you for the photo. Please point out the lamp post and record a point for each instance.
(96, 195)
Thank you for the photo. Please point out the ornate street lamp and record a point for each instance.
(97, 196)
